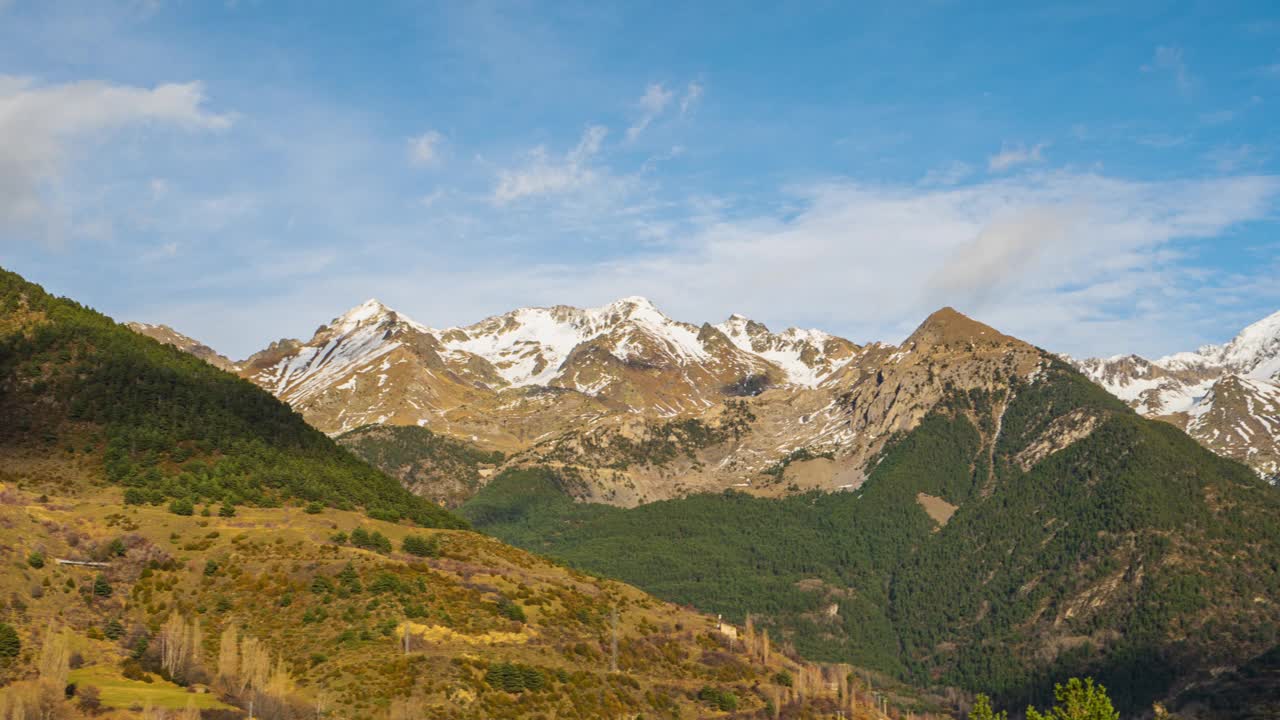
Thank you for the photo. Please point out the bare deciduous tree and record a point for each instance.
(229, 656)
(55, 656)
(255, 664)
(175, 645)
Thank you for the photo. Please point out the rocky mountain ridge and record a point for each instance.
(169, 336)
(643, 407)
(647, 408)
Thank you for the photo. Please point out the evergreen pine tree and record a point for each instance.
(982, 710)
(1078, 700)
(10, 643)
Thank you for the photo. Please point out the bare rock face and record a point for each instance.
(1225, 396)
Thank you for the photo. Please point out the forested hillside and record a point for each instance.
(164, 425)
(440, 468)
(1084, 540)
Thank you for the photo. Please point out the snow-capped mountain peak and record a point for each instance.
(808, 357)
(633, 306)
(528, 346)
(371, 312)
(375, 364)
(368, 310)
(1256, 350)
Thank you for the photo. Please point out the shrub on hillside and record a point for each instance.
(421, 546)
(1078, 700)
(375, 540)
(514, 677)
(719, 699)
(10, 643)
(89, 698)
(511, 610)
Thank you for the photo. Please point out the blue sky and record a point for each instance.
(1092, 178)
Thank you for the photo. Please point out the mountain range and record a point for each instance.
(638, 402)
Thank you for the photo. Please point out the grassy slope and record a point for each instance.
(267, 562)
(1133, 553)
(120, 692)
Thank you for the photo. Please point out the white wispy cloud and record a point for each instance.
(41, 126)
(1232, 158)
(1162, 140)
(655, 100)
(1170, 59)
(1217, 117)
(654, 161)
(1063, 259)
(1075, 262)
(692, 95)
(543, 174)
(1013, 155)
(159, 188)
(949, 174)
(424, 149)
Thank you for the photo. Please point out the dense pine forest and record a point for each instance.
(435, 466)
(1132, 554)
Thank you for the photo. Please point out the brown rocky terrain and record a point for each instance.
(169, 336)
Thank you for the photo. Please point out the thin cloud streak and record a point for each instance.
(1076, 262)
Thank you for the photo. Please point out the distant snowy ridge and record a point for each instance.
(1226, 396)
(375, 364)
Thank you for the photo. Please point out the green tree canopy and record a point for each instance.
(1077, 700)
(10, 643)
(982, 710)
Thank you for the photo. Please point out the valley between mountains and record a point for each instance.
(882, 529)
(179, 543)
(960, 510)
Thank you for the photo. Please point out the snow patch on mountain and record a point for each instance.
(1254, 352)
(1226, 396)
(801, 354)
(350, 341)
(528, 346)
